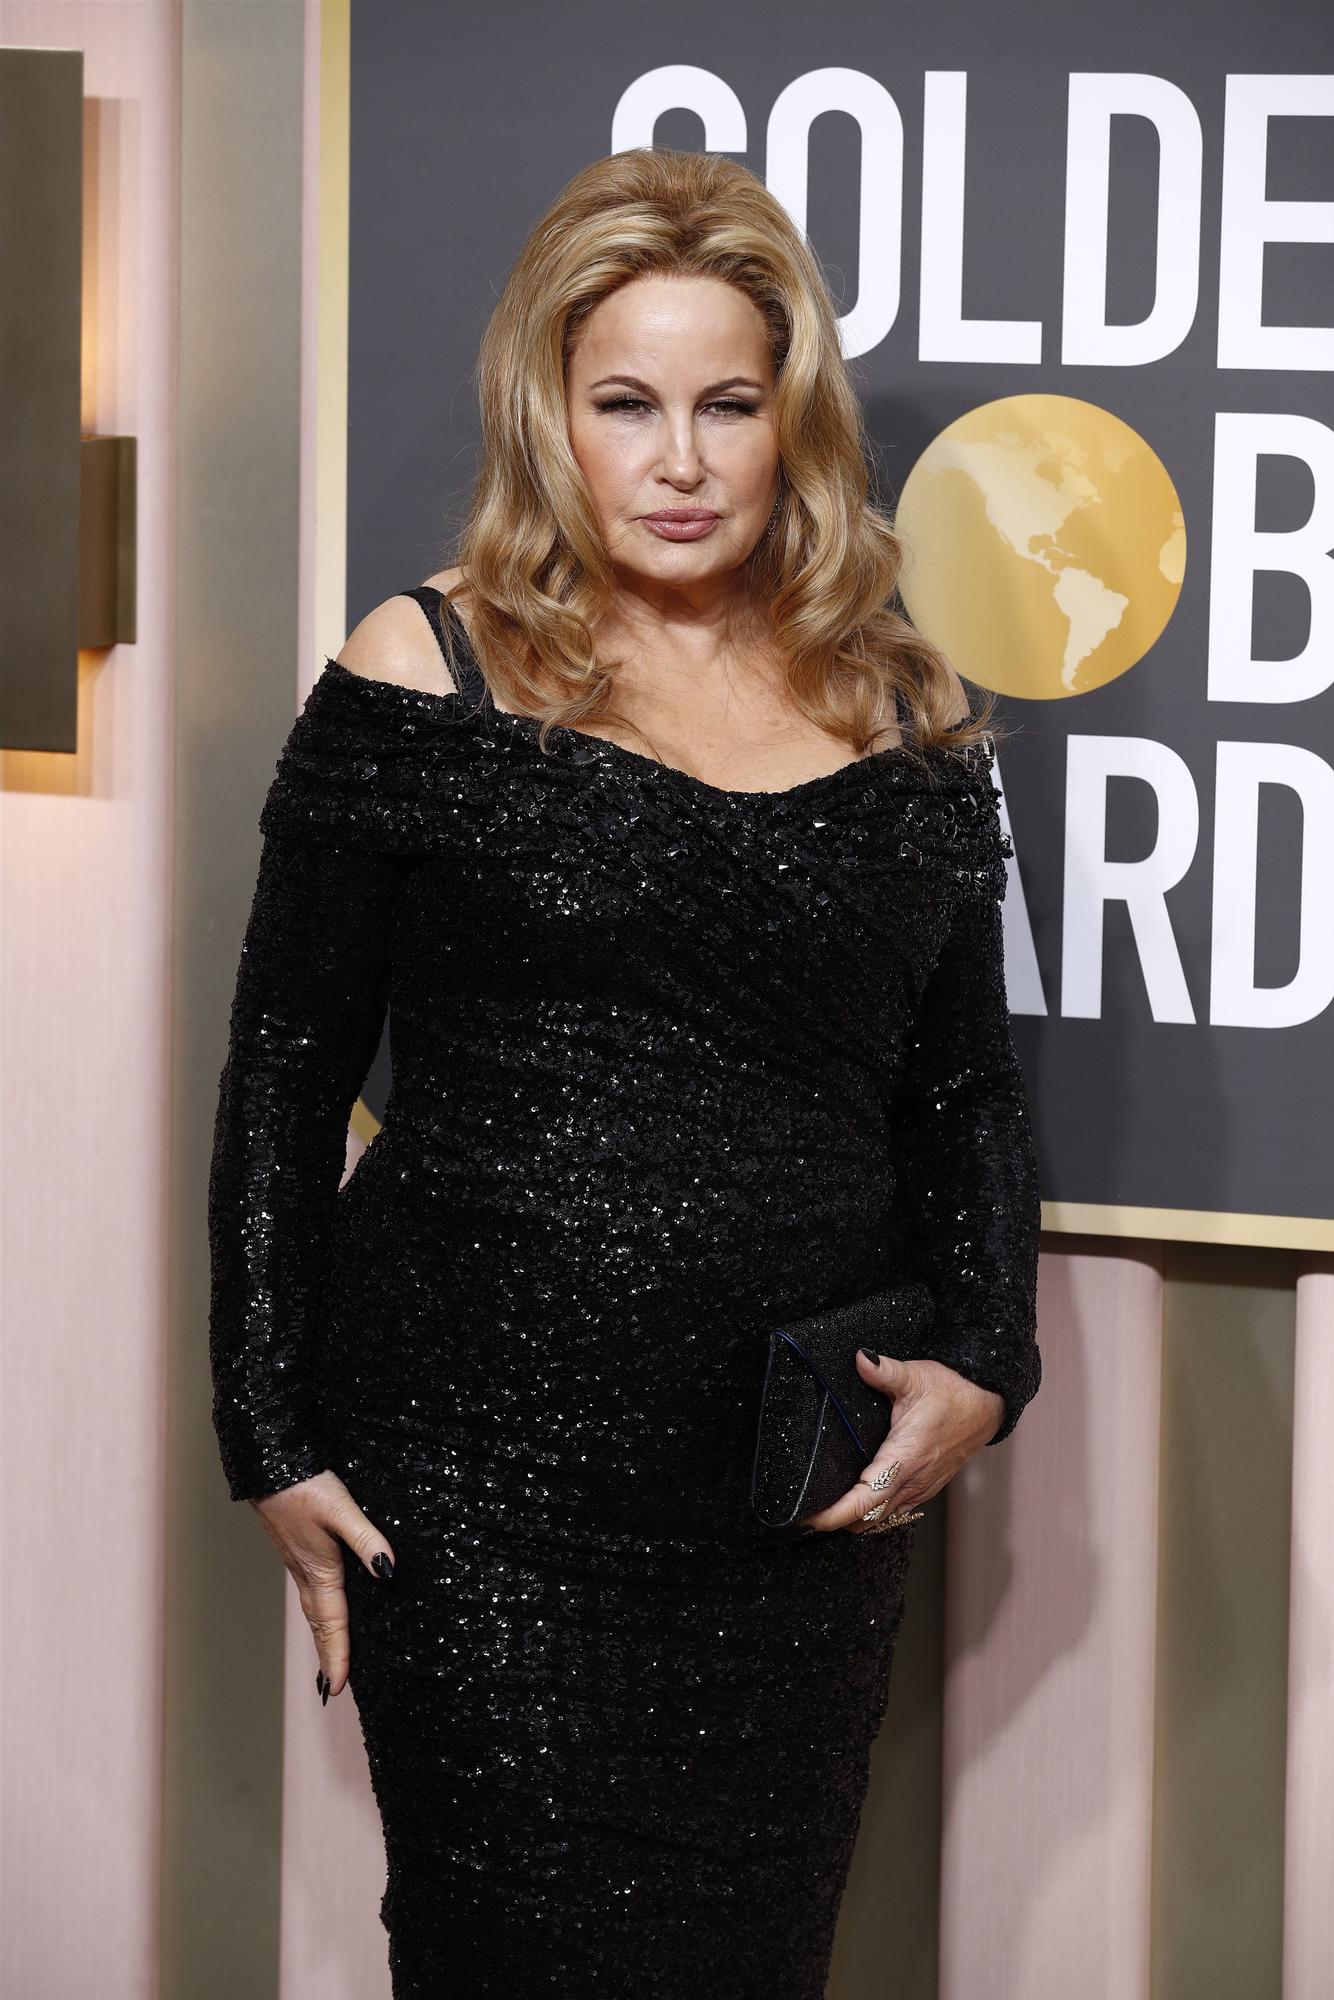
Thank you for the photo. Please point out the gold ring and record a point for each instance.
(898, 1520)
(883, 1477)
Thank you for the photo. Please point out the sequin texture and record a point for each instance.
(670, 1064)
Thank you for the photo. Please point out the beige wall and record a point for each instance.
(84, 956)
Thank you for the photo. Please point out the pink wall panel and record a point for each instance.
(1308, 1905)
(84, 937)
(1050, 1620)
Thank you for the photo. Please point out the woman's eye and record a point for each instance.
(733, 405)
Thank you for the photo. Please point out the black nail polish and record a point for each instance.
(319, 1681)
(874, 1359)
(382, 1566)
(324, 1696)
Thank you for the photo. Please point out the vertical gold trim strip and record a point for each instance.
(332, 346)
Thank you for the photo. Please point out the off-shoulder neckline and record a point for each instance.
(892, 759)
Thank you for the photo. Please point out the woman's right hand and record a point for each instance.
(308, 1524)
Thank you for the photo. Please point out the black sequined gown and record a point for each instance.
(669, 1064)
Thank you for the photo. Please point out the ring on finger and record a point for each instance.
(883, 1477)
(897, 1520)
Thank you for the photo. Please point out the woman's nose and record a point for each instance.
(680, 457)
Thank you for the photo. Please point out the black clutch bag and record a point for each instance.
(820, 1424)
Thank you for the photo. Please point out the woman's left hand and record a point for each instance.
(940, 1419)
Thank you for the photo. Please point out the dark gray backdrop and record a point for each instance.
(467, 119)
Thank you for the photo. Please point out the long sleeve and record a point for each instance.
(968, 1178)
(306, 1018)
(306, 1021)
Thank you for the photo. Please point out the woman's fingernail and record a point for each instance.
(382, 1566)
(874, 1359)
(319, 1681)
(324, 1695)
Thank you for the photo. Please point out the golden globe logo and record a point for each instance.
(1047, 549)
(1046, 545)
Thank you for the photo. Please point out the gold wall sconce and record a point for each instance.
(67, 497)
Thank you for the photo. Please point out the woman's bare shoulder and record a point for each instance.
(395, 642)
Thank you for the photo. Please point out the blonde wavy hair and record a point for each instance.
(532, 555)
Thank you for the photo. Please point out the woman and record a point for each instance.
(673, 852)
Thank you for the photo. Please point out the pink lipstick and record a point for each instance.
(681, 524)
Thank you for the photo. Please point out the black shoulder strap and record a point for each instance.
(463, 666)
